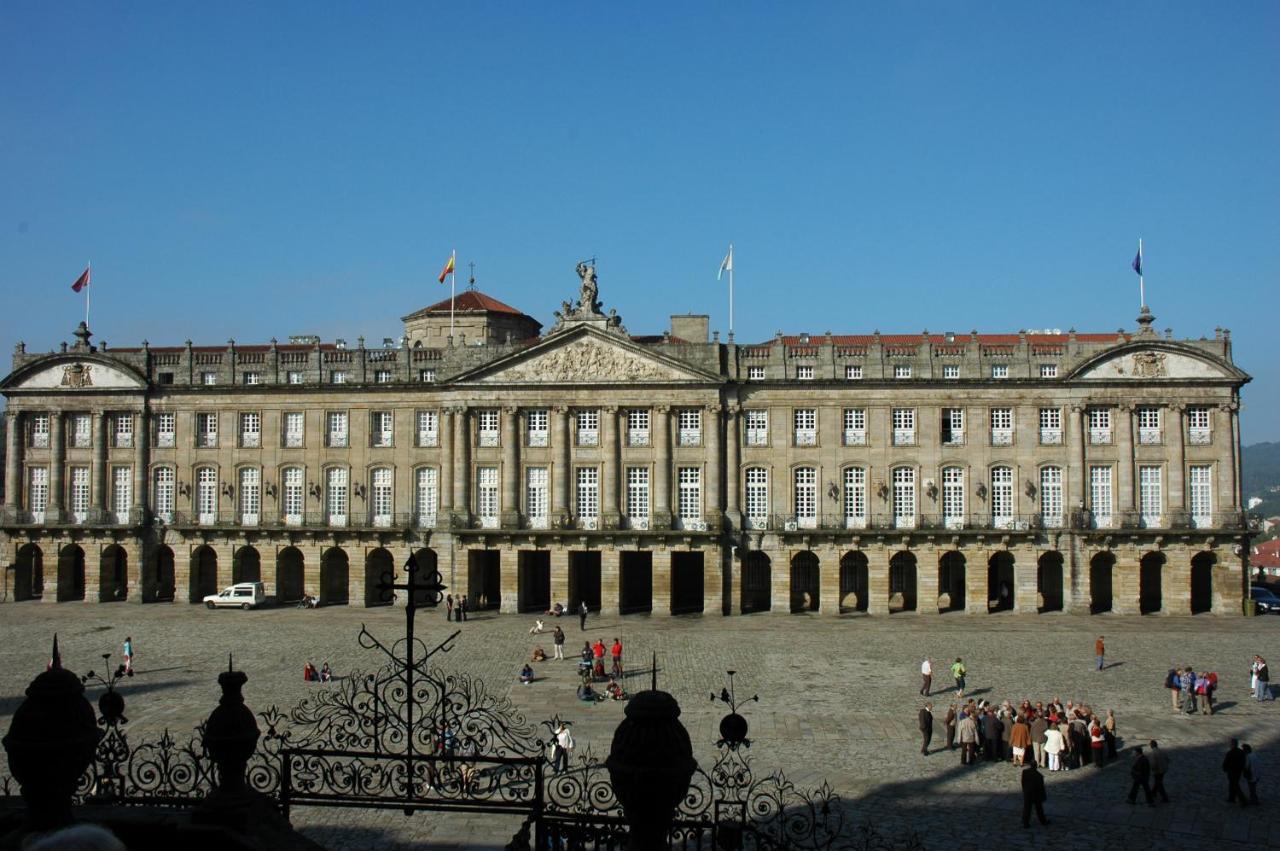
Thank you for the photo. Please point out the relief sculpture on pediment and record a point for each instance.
(586, 361)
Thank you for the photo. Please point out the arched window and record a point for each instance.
(855, 498)
(380, 482)
(335, 496)
(162, 496)
(249, 495)
(292, 481)
(206, 496)
(1051, 497)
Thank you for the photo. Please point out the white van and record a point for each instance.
(244, 595)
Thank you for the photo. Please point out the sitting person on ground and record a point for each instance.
(308, 672)
(326, 674)
(556, 611)
(614, 690)
(537, 627)
(526, 674)
(539, 655)
(586, 692)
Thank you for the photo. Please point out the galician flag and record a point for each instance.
(726, 265)
(82, 281)
(448, 268)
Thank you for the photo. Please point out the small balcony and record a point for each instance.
(638, 437)
(1001, 437)
(806, 437)
(1050, 437)
(757, 437)
(855, 437)
(538, 438)
(1100, 436)
(488, 438)
(904, 437)
(1150, 437)
(1199, 436)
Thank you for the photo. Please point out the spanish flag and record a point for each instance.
(448, 268)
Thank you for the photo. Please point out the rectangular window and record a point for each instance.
(487, 496)
(804, 372)
(538, 423)
(1099, 425)
(855, 426)
(380, 485)
(638, 497)
(1148, 425)
(162, 493)
(427, 376)
(1198, 433)
(208, 378)
(336, 499)
(952, 426)
(1002, 426)
(950, 371)
(382, 376)
(428, 428)
(902, 370)
(757, 427)
(488, 428)
(757, 498)
(755, 373)
(853, 372)
(855, 498)
(81, 431)
(588, 423)
(690, 497)
(293, 377)
(40, 430)
(166, 429)
(294, 428)
(251, 429)
(1100, 496)
(250, 495)
(638, 427)
(953, 497)
(121, 493)
(206, 430)
(206, 496)
(805, 421)
(1050, 426)
(588, 501)
(79, 494)
(1051, 497)
(381, 428)
(689, 424)
(999, 370)
(123, 431)
(252, 378)
(1048, 370)
(904, 498)
(37, 492)
(336, 428)
(164, 378)
(338, 376)
(1200, 486)
(426, 496)
(806, 497)
(1002, 497)
(292, 496)
(904, 426)
(535, 496)
(1150, 495)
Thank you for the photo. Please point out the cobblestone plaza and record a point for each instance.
(838, 703)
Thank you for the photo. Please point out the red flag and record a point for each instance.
(82, 281)
(447, 270)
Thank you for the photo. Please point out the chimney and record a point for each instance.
(692, 327)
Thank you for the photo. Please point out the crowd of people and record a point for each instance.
(1057, 736)
(591, 666)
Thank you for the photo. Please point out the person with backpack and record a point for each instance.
(1171, 682)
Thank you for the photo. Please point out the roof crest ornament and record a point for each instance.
(587, 309)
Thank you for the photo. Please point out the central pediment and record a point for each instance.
(586, 359)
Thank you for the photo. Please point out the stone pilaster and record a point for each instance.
(662, 583)
(733, 464)
(662, 468)
(560, 577)
(141, 460)
(561, 473)
(1125, 585)
(1024, 580)
(1176, 588)
(828, 580)
(462, 465)
(510, 516)
(609, 480)
(715, 463)
(53, 513)
(610, 592)
(509, 581)
(975, 582)
(1176, 435)
(13, 490)
(927, 581)
(1125, 483)
(98, 468)
(878, 581)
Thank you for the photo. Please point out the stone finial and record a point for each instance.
(1145, 318)
(20, 348)
(82, 335)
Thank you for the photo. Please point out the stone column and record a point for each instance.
(57, 466)
(609, 581)
(13, 466)
(927, 581)
(1125, 585)
(733, 475)
(975, 581)
(509, 581)
(780, 582)
(829, 580)
(715, 466)
(560, 586)
(98, 469)
(561, 473)
(661, 472)
(1076, 486)
(662, 583)
(1126, 455)
(609, 484)
(446, 467)
(510, 468)
(1232, 501)
(141, 458)
(1177, 465)
(878, 581)
(1024, 580)
(462, 464)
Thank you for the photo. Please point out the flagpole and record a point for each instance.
(1142, 289)
(731, 289)
(88, 286)
(453, 288)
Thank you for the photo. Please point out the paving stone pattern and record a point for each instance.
(838, 702)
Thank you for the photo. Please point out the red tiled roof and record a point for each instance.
(939, 339)
(470, 300)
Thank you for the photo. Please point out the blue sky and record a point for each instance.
(249, 171)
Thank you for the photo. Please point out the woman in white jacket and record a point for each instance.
(1053, 746)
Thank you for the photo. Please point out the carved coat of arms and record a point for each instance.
(77, 375)
(1149, 365)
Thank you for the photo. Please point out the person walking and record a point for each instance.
(926, 677)
(1233, 766)
(958, 671)
(582, 615)
(128, 655)
(557, 638)
(926, 728)
(949, 722)
(1159, 767)
(448, 607)
(560, 751)
(968, 731)
(1251, 774)
(1100, 652)
(1033, 794)
(1140, 774)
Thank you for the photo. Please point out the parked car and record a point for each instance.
(243, 595)
(1265, 600)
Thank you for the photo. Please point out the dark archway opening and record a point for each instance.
(28, 575)
(246, 565)
(484, 580)
(854, 576)
(1202, 583)
(113, 575)
(1151, 583)
(163, 575)
(533, 581)
(1000, 586)
(902, 582)
(1101, 572)
(70, 573)
(635, 582)
(290, 582)
(335, 576)
(204, 574)
(584, 580)
(757, 582)
(379, 569)
(687, 583)
(804, 582)
(1049, 581)
(951, 579)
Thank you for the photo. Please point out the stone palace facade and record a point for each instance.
(665, 474)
